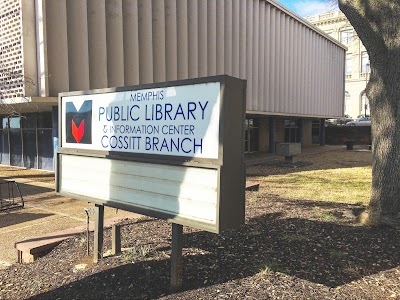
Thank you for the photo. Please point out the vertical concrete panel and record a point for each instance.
(327, 70)
(291, 66)
(171, 40)
(193, 23)
(57, 47)
(305, 72)
(329, 60)
(41, 50)
(282, 60)
(316, 74)
(203, 57)
(249, 54)
(158, 26)
(29, 47)
(312, 72)
(267, 62)
(228, 38)
(212, 37)
(298, 62)
(115, 43)
(323, 73)
(182, 27)
(287, 76)
(78, 54)
(325, 90)
(235, 38)
(255, 58)
(243, 41)
(145, 42)
(220, 42)
(261, 57)
(96, 14)
(278, 68)
(272, 61)
(131, 41)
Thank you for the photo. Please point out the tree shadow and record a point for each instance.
(332, 252)
(19, 216)
(320, 159)
(33, 189)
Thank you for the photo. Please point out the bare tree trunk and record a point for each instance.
(384, 206)
(377, 23)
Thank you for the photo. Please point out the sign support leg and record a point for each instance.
(176, 257)
(116, 239)
(98, 233)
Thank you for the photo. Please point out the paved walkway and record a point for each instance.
(45, 212)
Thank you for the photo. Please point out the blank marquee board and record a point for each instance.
(172, 150)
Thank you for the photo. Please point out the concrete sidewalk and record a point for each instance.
(45, 212)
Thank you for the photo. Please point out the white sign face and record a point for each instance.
(179, 121)
(186, 192)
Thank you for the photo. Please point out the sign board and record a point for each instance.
(171, 150)
(174, 120)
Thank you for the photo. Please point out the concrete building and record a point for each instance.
(294, 72)
(357, 60)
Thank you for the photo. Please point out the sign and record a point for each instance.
(172, 150)
(178, 121)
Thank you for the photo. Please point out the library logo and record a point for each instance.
(78, 122)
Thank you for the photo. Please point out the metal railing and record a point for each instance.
(10, 196)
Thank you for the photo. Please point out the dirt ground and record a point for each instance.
(287, 249)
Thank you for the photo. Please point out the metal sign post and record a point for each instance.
(176, 257)
(98, 233)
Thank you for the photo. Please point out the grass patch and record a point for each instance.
(269, 268)
(136, 253)
(336, 254)
(349, 185)
(328, 216)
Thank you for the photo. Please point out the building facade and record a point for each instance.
(294, 72)
(357, 68)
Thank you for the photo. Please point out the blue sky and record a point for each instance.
(307, 8)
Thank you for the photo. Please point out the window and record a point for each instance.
(347, 104)
(365, 105)
(346, 36)
(315, 127)
(365, 67)
(27, 141)
(251, 135)
(292, 131)
(349, 63)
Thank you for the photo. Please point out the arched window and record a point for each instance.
(347, 103)
(365, 108)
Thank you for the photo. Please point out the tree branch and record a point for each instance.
(359, 14)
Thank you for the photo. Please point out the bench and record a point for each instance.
(30, 250)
